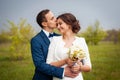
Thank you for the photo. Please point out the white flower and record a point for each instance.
(76, 53)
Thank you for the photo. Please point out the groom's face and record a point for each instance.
(51, 20)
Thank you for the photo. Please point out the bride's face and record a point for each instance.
(62, 26)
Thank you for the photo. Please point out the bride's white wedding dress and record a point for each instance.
(57, 52)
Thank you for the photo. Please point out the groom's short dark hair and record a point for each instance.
(41, 17)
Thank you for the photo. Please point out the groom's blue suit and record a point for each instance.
(39, 49)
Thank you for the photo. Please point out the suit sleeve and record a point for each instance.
(39, 61)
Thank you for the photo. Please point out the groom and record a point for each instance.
(39, 49)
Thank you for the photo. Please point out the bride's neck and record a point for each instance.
(70, 36)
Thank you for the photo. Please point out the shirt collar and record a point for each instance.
(46, 32)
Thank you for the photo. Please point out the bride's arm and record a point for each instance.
(59, 63)
(87, 62)
(51, 55)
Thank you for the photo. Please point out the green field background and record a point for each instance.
(105, 59)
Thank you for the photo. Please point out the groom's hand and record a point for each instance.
(69, 73)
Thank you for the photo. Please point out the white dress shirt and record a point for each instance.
(47, 34)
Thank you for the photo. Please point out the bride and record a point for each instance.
(68, 26)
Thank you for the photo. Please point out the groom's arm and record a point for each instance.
(39, 61)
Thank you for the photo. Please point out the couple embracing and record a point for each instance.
(52, 53)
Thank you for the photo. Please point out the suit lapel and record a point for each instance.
(45, 38)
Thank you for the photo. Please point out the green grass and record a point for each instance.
(11, 69)
(16, 70)
(105, 59)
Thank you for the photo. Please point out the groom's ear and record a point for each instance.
(44, 24)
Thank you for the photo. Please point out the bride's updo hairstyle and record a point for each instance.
(71, 20)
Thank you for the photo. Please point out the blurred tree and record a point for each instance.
(20, 35)
(4, 37)
(94, 33)
(119, 35)
(113, 35)
(56, 31)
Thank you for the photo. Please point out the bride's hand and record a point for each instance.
(77, 67)
(69, 62)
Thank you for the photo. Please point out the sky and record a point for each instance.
(107, 12)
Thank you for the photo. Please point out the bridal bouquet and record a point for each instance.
(76, 53)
